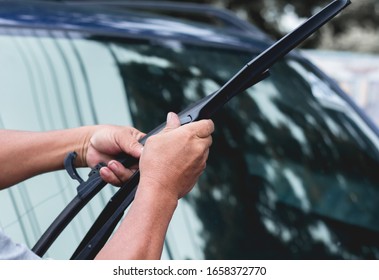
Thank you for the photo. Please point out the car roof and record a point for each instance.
(132, 20)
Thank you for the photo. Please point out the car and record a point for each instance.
(293, 169)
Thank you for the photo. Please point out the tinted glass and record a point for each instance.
(291, 173)
(52, 81)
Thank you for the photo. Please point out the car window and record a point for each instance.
(292, 169)
(292, 165)
(54, 81)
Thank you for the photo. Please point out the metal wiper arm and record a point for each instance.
(253, 72)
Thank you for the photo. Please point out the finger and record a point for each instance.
(134, 149)
(128, 142)
(122, 173)
(135, 146)
(203, 128)
(172, 122)
(115, 173)
(108, 176)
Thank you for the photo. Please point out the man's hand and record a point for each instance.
(170, 165)
(106, 143)
(174, 159)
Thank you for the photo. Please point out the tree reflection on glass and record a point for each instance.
(292, 167)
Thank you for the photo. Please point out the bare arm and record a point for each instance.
(165, 178)
(170, 164)
(26, 154)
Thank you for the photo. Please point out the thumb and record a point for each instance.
(172, 122)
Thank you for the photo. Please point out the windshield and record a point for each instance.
(289, 142)
(291, 171)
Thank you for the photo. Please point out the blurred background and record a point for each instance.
(347, 48)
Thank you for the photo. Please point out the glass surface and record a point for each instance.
(292, 171)
(52, 81)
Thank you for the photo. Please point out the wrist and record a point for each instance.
(82, 143)
(141, 234)
(153, 191)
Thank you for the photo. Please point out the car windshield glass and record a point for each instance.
(292, 163)
(293, 122)
(291, 141)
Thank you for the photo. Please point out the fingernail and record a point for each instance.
(104, 171)
(169, 116)
(113, 165)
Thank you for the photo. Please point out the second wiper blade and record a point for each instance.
(251, 73)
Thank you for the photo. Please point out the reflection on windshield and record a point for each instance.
(50, 81)
(292, 171)
(291, 165)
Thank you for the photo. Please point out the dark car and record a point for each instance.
(293, 171)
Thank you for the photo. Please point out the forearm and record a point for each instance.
(170, 165)
(26, 154)
(141, 234)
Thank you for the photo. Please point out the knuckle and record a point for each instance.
(150, 140)
(210, 126)
(112, 179)
(199, 151)
(203, 165)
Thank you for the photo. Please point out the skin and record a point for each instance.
(170, 164)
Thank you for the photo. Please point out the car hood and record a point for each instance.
(108, 21)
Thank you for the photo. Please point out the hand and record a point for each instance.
(170, 165)
(106, 143)
(172, 160)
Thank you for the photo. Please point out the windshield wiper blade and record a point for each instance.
(253, 72)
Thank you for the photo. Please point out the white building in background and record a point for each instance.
(357, 74)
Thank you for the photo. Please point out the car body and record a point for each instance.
(292, 172)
